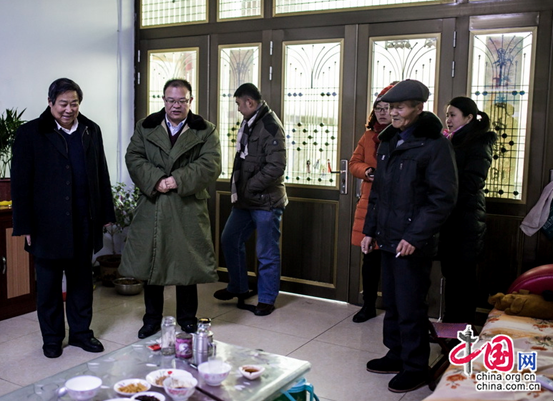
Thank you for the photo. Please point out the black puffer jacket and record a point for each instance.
(261, 180)
(415, 187)
(463, 232)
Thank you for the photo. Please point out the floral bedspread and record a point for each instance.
(528, 335)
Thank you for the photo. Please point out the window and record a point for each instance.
(305, 6)
(164, 65)
(311, 100)
(500, 80)
(399, 58)
(237, 65)
(239, 9)
(158, 12)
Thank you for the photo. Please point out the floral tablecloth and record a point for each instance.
(528, 335)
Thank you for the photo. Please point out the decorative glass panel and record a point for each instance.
(303, 6)
(164, 65)
(501, 74)
(311, 100)
(399, 58)
(237, 65)
(239, 9)
(163, 12)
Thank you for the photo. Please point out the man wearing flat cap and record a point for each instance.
(414, 191)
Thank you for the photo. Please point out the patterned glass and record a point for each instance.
(237, 65)
(399, 58)
(303, 6)
(501, 74)
(165, 65)
(162, 12)
(311, 101)
(239, 9)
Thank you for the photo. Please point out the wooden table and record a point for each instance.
(136, 361)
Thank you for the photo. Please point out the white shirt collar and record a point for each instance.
(71, 130)
(172, 129)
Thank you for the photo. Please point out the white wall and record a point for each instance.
(91, 42)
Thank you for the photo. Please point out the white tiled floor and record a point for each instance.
(315, 330)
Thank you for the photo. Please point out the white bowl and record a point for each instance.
(180, 387)
(159, 396)
(82, 387)
(251, 372)
(214, 372)
(118, 387)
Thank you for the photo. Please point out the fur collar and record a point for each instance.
(194, 121)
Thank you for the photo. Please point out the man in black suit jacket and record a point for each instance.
(61, 195)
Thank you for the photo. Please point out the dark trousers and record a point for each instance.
(461, 289)
(187, 304)
(371, 273)
(79, 281)
(406, 281)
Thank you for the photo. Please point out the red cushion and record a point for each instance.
(535, 280)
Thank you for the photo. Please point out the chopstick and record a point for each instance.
(214, 397)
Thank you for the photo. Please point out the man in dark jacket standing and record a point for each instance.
(259, 198)
(62, 198)
(414, 191)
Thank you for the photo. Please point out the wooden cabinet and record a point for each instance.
(17, 279)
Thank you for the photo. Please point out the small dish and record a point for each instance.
(158, 396)
(130, 387)
(251, 372)
(157, 377)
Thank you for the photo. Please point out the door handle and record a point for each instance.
(4, 265)
(343, 176)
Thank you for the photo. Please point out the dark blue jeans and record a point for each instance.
(238, 229)
(406, 281)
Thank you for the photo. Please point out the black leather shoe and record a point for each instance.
(89, 344)
(52, 350)
(190, 328)
(384, 365)
(408, 381)
(224, 295)
(148, 330)
(263, 309)
(364, 314)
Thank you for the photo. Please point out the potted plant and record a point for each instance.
(10, 121)
(125, 201)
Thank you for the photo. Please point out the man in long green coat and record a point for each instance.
(173, 156)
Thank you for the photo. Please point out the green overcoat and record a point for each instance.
(169, 241)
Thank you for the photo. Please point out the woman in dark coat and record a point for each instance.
(461, 237)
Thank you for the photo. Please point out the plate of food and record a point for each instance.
(157, 377)
(148, 396)
(130, 387)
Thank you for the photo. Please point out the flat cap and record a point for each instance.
(409, 89)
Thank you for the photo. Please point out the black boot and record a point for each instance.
(366, 313)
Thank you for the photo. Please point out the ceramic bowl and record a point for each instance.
(127, 286)
(180, 387)
(251, 372)
(158, 396)
(214, 372)
(126, 387)
(82, 388)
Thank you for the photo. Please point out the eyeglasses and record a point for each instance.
(381, 109)
(171, 101)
